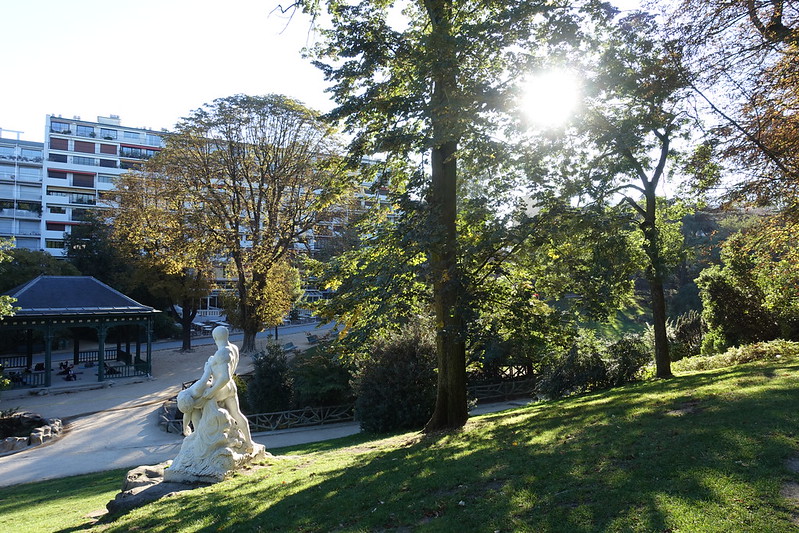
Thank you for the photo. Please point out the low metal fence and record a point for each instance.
(310, 416)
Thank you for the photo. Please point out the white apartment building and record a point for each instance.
(81, 160)
(21, 191)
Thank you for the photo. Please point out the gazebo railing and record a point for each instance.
(13, 361)
(23, 379)
(93, 356)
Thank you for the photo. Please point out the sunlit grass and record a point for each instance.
(702, 452)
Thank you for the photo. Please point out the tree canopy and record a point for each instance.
(254, 174)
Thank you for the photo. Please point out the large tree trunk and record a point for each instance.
(248, 344)
(187, 315)
(655, 275)
(450, 410)
(662, 357)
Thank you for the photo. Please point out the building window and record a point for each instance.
(83, 146)
(59, 144)
(105, 178)
(30, 174)
(108, 163)
(129, 165)
(84, 199)
(153, 140)
(108, 149)
(31, 155)
(55, 226)
(58, 158)
(53, 244)
(56, 210)
(131, 135)
(82, 180)
(108, 134)
(81, 215)
(57, 174)
(7, 152)
(60, 127)
(84, 131)
(34, 207)
(78, 160)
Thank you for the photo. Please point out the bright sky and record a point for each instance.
(148, 61)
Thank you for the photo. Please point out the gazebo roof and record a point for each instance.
(70, 296)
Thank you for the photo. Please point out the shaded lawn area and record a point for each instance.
(702, 452)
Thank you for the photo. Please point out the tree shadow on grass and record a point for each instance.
(633, 459)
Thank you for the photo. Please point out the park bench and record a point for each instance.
(290, 348)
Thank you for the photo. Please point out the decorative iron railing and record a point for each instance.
(310, 416)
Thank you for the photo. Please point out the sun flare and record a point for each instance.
(550, 98)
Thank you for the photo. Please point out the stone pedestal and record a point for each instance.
(143, 485)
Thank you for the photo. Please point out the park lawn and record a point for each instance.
(707, 451)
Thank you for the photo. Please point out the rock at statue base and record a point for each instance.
(143, 485)
(213, 452)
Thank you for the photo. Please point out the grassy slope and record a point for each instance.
(703, 452)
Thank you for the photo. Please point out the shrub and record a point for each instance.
(588, 365)
(269, 390)
(685, 335)
(760, 351)
(396, 387)
(580, 369)
(241, 393)
(164, 326)
(320, 379)
(625, 360)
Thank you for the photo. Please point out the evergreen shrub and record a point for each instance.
(396, 386)
(269, 389)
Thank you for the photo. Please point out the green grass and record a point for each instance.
(702, 452)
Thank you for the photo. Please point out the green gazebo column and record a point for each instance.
(29, 347)
(48, 355)
(101, 332)
(150, 346)
(75, 348)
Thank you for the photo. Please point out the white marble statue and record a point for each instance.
(220, 441)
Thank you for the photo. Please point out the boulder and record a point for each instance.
(143, 485)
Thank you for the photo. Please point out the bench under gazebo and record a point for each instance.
(51, 303)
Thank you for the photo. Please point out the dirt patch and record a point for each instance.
(687, 408)
(792, 465)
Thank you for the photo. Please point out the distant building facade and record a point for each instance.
(48, 188)
(21, 164)
(81, 160)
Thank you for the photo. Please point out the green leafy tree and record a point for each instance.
(173, 259)
(753, 295)
(91, 248)
(6, 302)
(259, 172)
(436, 80)
(23, 265)
(635, 112)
